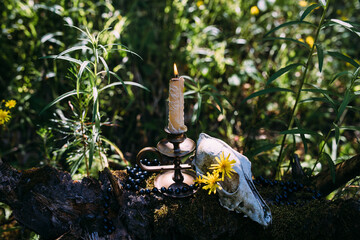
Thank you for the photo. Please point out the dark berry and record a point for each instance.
(142, 191)
(301, 185)
(106, 197)
(109, 231)
(128, 186)
(142, 177)
(290, 190)
(184, 189)
(105, 220)
(156, 162)
(276, 181)
(136, 166)
(170, 190)
(295, 189)
(113, 228)
(163, 189)
(155, 190)
(106, 205)
(177, 190)
(147, 191)
(106, 227)
(191, 186)
(106, 212)
(108, 190)
(136, 187)
(145, 173)
(110, 222)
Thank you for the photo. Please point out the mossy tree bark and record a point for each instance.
(53, 205)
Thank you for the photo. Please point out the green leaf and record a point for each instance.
(199, 98)
(118, 78)
(303, 138)
(58, 99)
(289, 24)
(308, 10)
(339, 75)
(106, 68)
(66, 58)
(323, 2)
(282, 71)
(337, 133)
(326, 158)
(125, 50)
(287, 39)
(252, 153)
(344, 58)
(217, 100)
(76, 164)
(118, 151)
(348, 25)
(74, 49)
(81, 70)
(266, 91)
(320, 54)
(124, 83)
(347, 99)
(190, 92)
(301, 131)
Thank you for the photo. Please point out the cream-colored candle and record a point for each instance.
(176, 104)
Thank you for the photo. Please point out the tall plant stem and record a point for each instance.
(298, 94)
(84, 144)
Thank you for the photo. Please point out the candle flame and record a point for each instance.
(176, 73)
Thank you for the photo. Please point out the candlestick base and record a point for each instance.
(178, 189)
(174, 148)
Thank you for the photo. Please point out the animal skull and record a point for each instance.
(239, 192)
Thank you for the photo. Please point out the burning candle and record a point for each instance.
(176, 104)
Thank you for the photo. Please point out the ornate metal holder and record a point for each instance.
(172, 149)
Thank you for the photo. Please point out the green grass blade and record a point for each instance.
(308, 10)
(216, 99)
(119, 79)
(106, 67)
(75, 166)
(124, 83)
(289, 24)
(190, 92)
(303, 138)
(343, 58)
(287, 39)
(66, 58)
(117, 150)
(72, 49)
(352, 27)
(327, 159)
(266, 91)
(320, 54)
(58, 99)
(339, 75)
(282, 71)
(199, 98)
(347, 99)
(301, 131)
(267, 147)
(337, 133)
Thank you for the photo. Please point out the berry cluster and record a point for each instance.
(286, 194)
(137, 177)
(108, 225)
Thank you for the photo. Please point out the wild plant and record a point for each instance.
(91, 76)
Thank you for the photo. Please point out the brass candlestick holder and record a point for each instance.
(176, 176)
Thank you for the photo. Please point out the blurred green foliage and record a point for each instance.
(216, 43)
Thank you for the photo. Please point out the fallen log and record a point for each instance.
(50, 203)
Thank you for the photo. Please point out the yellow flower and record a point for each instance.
(254, 10)
(303, 3)
(310, 40)
(199, 3)
(301, 40)
(4, 116)
(223, 166)
(10, 104)
(211, 182)
(199, 180)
